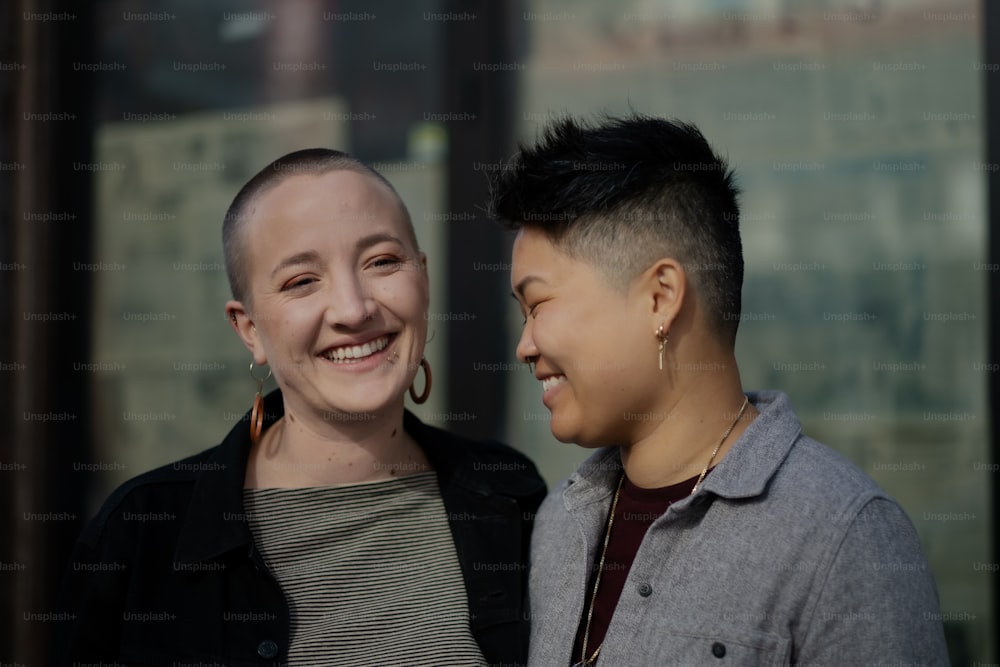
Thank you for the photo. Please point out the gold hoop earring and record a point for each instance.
(664, 338)
(427, 384)
(257, 412)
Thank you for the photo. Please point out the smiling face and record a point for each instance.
(592, 344)
(339, 294)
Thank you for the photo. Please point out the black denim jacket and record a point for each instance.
(167, 572)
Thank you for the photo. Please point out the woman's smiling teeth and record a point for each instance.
(552, 381)
(353, 352)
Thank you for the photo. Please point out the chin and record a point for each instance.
(363, 394)
(574, 437)
(358, 411)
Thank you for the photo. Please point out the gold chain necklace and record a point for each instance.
(584, 661)
(592, 660)
(719, 446)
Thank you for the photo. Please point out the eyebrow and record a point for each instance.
(307, 257)
(312, 257)
(374, 239)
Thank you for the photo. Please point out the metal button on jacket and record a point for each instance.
(267, 649)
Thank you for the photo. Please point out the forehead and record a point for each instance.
(341, 195)
(539, 260)
(532, 247)
(534, 256)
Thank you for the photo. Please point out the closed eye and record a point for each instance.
(386, 262)
(530, 313)
(301, 281)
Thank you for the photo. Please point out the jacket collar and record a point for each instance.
(744, 473)
(215, 522)
(480, 468)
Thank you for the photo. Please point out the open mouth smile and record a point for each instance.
(353, 353)
(552, 381)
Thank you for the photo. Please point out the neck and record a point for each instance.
(297, 452)
(698, 414)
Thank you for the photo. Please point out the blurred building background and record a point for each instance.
(859, 129)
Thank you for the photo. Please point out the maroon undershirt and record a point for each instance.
(637, 509)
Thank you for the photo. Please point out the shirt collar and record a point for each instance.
(743, 473)
(760, 450)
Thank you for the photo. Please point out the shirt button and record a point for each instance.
(645, 590)
(267, 649)
(719, 650)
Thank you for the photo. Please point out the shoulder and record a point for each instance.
(817, 497)
(814, 475)
(776, 460)
(827, 471)
(490, 466)
(847, 506)
(157, 491)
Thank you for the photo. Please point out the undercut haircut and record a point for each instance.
(626, 192)
(310, 161)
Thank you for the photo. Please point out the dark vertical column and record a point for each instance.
(991, 42)
(481, 82)
(9, 83)
(45, 206)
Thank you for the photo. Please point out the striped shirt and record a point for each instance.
(369, 571)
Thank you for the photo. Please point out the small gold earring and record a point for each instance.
(664, 338)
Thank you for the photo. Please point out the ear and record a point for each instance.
(426, 276)
(666, 282)
(239, 318)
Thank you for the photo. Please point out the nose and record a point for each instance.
(526, 351)
(349, 305)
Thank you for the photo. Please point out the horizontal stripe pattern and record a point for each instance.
(369, 571)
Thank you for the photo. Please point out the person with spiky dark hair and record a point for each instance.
(705, 529)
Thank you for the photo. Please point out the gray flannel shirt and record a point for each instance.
(787, 554)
